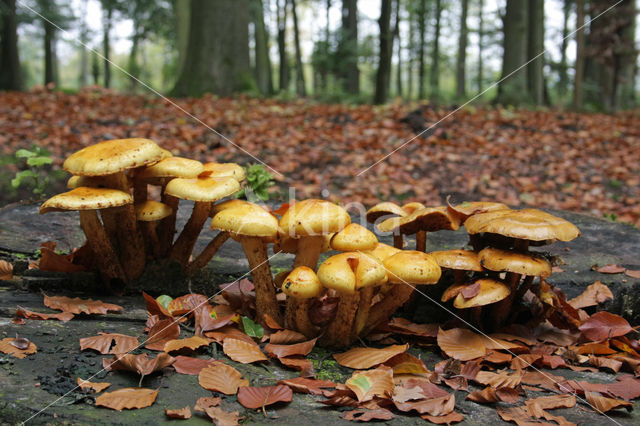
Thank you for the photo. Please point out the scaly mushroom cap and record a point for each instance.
(313, 217)
(86, 198)
(109, 157)
(150, 211)
(382, 251)
(246, 219)
(384, 209)
(302, 283)
(229, 204)
(172, 167)
(526, 224)
(91, 181)
(491, 291)
(224, 170)
(412, 267)
(495, 259)
(206, 189)
(351, 271)
(412, 207)
(467, 209)
(428, 219)
(461, 260)
(354, 237)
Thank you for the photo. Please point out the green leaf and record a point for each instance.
(25, 153)
(39, 161)
(164, 300)
(251, 328)
(20, 176)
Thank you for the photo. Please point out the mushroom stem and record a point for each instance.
(520, 245)
(296, 317)
(398, 240)
(524, 287)
(381, 311)
(209, 251)
(364, 306)
(502, 309)
(140, 191)
(309, 248)
(266, 303)
(150, 236)
(183, 246)
(475, 242)
(168, 224)
(338, 333)
(421, 241)
(110, 223)
(475, 316)
(104, 255)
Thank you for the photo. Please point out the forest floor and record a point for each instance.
(580, 162)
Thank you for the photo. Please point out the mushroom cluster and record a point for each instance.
(124, 227)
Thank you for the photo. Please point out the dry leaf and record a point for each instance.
(627, 388)
(184, 304)
(434, 407)
(232, 331)
(362, 358)
(161, 333)
(285, 337)
(448, 419)
(632, 274)
(54, 262)
(62, 316)
(502, 379)
(604, 325)
(461, 344)
(207, 402)
(241, 351)
(593, 295)
(303, 365)
(127, 398)
(6, 270)
(602, 362)
(179, 413)
(223, 418)
(258, 397)
(140, 364)
(190, 365)
(192, 343)
(610, 269)
(282, 351)
(602, 404)
(553, 402)
(368, 415)
(79, 306)
(305, 385)
(92, 386)
(405, 363)
(371, 383)
(7, 347)
(403, 326)
(155, 308)
(404, 394)
(109, 343)
(221, 378)
(487, 395)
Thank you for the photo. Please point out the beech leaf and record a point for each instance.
(127, 398)
(604, 325)
(77, 305)
(461, 344)
(362, 358)
(258, 397)
(372, 383)
(282, 351)
(109, 343)
(7, 347)
(221, 378)
(191, 366)
(179, 413)
(243, 352)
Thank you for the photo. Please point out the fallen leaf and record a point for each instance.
(127, 398)
(371, 383)
(610, 269)
(54, 262)
(401, 325)
(627, 389)
(190, 365)
(405, 363)
(179, 413)
(192, 343)
(140, 364)
(155, 308)
(502, 379)
(258, 397)
(80, 306)
(241, 351)
(6, 270)
(7, 347)
(461, 344)
(273, 324)
(368, 415)
(602, 404)
(225, 332)
(207, 402)
(221, 378)
(485, 396)
(185, 304)
(305, 385)
(162, 332)
(593, 295)
(404, 394)
(92, 386)
(303, 365)
(223, 418)
(602, 362)
(448, 419)
(282, 351)
(434, 407)
(553, 402)
(109, 343)
(285, 337)
(632, 273)
(362, 358)
(62, 316)
(508, 395)
(594, 348)
(604, 325)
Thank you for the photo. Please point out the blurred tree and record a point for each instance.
(217, 58)
(10, 75)
(109, 7)
(396, 35)
(580, 56)
(383, 75)
(422, 19)
(461, 60)
(95, 68)
(182, 10)
(83, 76)
(283, 81)
(513, 89)
(348, 48)
(300, 84)
(563, 67)
(480, 76)
(434, 75)
(535, 46)
(263, 63)
(321, 56)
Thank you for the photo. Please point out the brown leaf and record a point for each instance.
(92, 386)
(485, 396)
(285, 337)
(54, 262)
(282, 351)
(434, 407)
(221, 378)
(461, 344)
(362, 358)
(303, 365)
(162, 332)
(508, 395)
(632, 273)
(405, 363)
(127, 398)
(404, 394)
(184, 304)
(155, 308)
(62, 316)
(207, 402)
(371, 383)
(403, 326)
(243, 352)
(273, 324)
(593, 295)
(602, 362)
(192, 343)
(502, 379)
(305, 385)
(609, 269)
(223, 418)
(225, 332)
(179, 413)
(6, 270)
(604, 325)
(109, 343)
(7, 347)
(191, 366)
(368, 415)
(602, 404)
(258, 397)
(627, 388)
(140, 364)
(448, 419)
(80, 306)
(593, 348)
(553, 402)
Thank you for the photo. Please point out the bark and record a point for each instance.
(383, 76)
(513, 89)
(300, 84)
(183, 17)
(396, 35)
(461, 60)
(10, 75)
(422, 18)
(282, 49)
(349, 40)
(263, 63)
(535, 46)
(217, 59)
(579, 65)
(563, 75)
(106, 25)
(480, 76)
(435, 56)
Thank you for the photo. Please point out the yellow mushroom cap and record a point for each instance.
(286, 244)
(112, 156)
(411, 207)
(491, 291)
(452, 291)
(384, 209)
(428, 219)
(91, 181)
(86, 198)
(302, 283)
(149, 211)
(467, 209)
(313, 217)
(246, 219)
(225, 170)
(382, 251)
(509, 261)
(205, 189)
(527, 224)
(351, 271)
(172, 167)
(354, 237)
(461, 260)
(412, 267)
(229, 204)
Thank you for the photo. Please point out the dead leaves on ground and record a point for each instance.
(77, 305)
(362, 358)
(222, 378)
(6, 270)
(260, 397)
(127, 398)
(141, 364)
(18, 347)
(109, 343)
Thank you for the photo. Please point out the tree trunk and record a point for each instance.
(300, 84)
(49, 60)
(513, 89)
(183, 17)
(263, 63)
(535, 46)
(134, 69)
(461, 61)
(579, 66)
(480, 76)
(282, 50)
(563, 75)
(349, 41)
(383, 76)
(10, 75)
(422, 18)
(217, 58)
(84, 39)
(396, 34)
(412, 53)
(327, 40)
(435, 56)
(106, 25)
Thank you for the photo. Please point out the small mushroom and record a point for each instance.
(300, 286)
(224, 170)
(354, 237)
(148, 213)
(489, 292)
(419, 222)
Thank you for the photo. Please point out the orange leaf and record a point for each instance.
(179, 413)
(502, 379)
(271, 323)
(448, 419)
(485, 396)
(54, 262)
(8, 346)
(603, 404)
(461, 344)
(304, 385)
(221, 417)
(368, 415)
(601, 362)
(403, 326)
(6, 270)
(222, 378)
(282, 351)
(184, 304)
(604, 325)
(632, 274)
(593, 295)
(207, 402)
(610, 269)
(405, 363)
(284, 337)
(191, 366)
(371, 383)
(140, 364)
(553, 402)
(241, 351)
(155, 308)
(79, 306)
(192, 343)
(92, 386)
(436, 406)
(303, 365)
(127, 398)
(227, 331)
(595, 349)
(62, 316)
(258, 397)
(162, 332)
(109, 343)
(361, 358)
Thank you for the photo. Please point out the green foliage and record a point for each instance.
(259, 180)
(251, 328)
(164, 300)
(35, 160)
